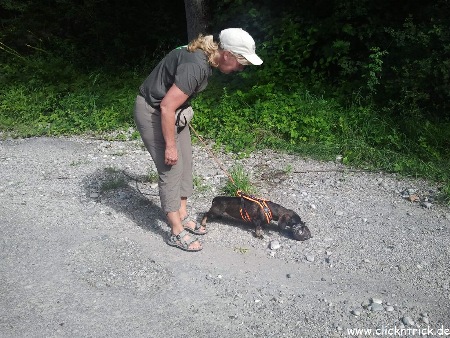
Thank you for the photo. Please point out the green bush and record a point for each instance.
(299, 122)
(49, 97)
(264, 117)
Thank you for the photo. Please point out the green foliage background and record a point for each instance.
(366, 80)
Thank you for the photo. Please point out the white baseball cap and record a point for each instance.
(238, 41)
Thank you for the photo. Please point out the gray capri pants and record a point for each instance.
(174, 181)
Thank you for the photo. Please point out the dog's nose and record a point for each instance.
(301, 233)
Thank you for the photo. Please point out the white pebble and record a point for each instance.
(274, 245)
(375, 307)
(356, 312)
(310, 258)
(407, 321)
(427, 205)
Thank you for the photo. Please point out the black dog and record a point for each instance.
(258, 212)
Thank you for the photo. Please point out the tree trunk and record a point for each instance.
(197, 17)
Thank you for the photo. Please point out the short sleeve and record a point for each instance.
(189, 78)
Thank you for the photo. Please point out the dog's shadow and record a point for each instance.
(128, 194)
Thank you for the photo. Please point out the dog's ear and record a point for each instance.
(283, 221)
(295, 219)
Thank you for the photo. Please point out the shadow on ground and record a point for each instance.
(138, 199)
(128, 194)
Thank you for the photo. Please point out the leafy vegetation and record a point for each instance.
(302, 123)
(356, 79)
(46, 96)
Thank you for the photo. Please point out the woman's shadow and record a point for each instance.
(131, 195)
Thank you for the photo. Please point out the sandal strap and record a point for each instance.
(186, 220)
(185, 242)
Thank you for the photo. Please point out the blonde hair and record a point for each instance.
(207, 45)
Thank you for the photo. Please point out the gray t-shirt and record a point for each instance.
(189, 71)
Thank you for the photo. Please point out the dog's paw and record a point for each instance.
(259, 232)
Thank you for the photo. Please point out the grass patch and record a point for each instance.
(240, 180)
(199, 184)
(152, 176)
(113, 180)
(113, 183)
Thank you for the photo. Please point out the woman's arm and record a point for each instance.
(174, 98)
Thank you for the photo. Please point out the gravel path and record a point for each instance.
(83, 253)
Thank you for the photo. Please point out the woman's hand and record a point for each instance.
(171, 155)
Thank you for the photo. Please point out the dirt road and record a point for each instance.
(83, 253)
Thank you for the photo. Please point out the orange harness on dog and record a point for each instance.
(261, 202)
